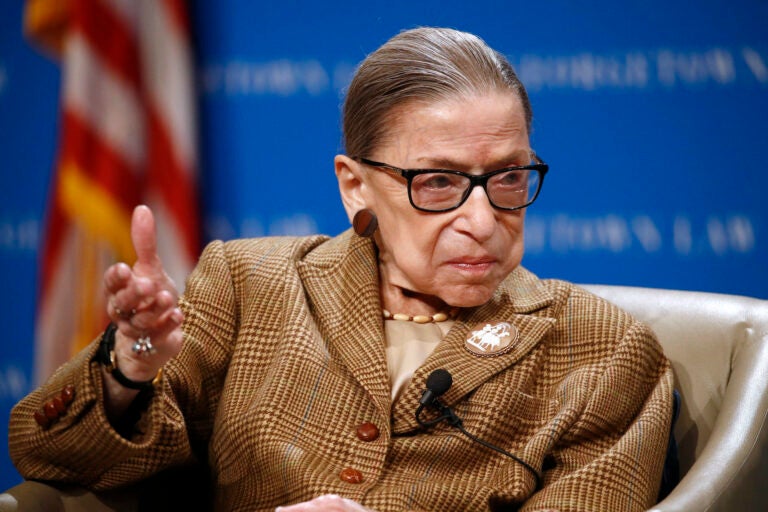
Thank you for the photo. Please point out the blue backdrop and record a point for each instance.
(652, 115)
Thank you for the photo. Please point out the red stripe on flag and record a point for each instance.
(178, 14)
(110, 38)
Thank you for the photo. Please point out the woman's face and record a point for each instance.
(460, 256)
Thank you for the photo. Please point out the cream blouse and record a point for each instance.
(408, 346)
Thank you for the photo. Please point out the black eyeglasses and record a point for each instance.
(442, 190)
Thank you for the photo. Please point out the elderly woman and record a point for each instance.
(296, 368)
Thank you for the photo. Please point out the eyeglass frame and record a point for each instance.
(474, 180)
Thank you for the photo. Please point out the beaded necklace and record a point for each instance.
(420, 319)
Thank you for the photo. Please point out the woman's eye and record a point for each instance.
(437, 181)
(512, 178)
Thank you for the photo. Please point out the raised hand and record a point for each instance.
(142, 302)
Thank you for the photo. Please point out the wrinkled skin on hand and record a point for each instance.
(327, 503)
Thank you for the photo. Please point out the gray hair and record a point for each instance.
(421, 65)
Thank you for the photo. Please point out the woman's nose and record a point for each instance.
(478, 216)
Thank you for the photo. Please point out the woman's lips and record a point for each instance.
(473, 265)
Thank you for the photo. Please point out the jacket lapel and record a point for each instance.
(519, 296)
(341, 280)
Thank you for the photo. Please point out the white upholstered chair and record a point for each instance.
(718, 345)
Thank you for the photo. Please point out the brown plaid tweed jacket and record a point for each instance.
(284, 357)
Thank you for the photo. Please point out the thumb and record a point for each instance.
(144, 237)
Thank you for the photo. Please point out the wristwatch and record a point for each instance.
(106, 356)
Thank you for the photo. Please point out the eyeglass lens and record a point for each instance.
(440, 191)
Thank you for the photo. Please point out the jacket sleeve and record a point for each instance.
(82, 447)
(611, 458)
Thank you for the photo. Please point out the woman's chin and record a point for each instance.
(467, 296)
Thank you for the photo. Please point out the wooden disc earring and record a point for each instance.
(365, 223)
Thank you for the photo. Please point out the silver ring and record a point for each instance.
(143, 346)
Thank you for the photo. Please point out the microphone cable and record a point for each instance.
(439, 378)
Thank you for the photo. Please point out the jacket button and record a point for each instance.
(50, 410)
(367, 432)
(42, 419)
(58, 404)
(68, 394)
(351, 476)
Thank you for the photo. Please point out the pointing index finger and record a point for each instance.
(144, 236)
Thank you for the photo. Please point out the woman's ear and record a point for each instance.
(351, 185)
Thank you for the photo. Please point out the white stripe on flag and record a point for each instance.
(167, 67)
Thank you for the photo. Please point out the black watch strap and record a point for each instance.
(106, 356)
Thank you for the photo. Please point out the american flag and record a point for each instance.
(127, 137)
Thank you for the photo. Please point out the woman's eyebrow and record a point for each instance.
(450, 164)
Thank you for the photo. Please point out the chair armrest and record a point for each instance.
(180, 488)
(31, 496)
(730, 473)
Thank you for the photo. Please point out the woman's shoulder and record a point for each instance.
(245, 259)
(590, 317)
(559, 291)
(573, 305)
(530, 292)
(270, 247)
